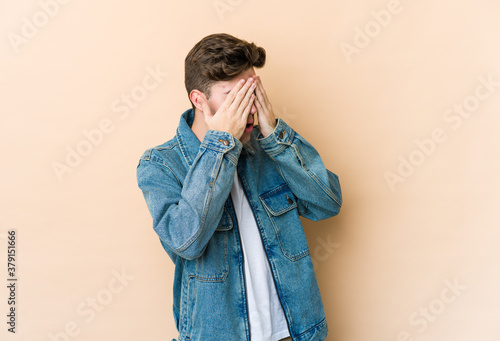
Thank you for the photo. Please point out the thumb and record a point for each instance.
(205, 108)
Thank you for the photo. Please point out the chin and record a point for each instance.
(245, 138)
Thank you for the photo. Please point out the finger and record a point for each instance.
(205, 107)
(248, 107)
(248, 87)
(232, 94)
(260, 107)
(264, 92)
(259, 80)
(242, 93)
(259, 91)
(248, 100)
(260, 112)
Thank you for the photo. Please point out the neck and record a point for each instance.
(199, 127)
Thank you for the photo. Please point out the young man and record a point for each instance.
(226, 196)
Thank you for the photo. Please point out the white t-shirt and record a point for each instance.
(267, 319)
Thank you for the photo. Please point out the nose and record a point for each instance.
(253, 110)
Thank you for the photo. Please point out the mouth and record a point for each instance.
(249, 127)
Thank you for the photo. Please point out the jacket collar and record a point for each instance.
(189, 143)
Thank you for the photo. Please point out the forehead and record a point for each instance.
(228, 85)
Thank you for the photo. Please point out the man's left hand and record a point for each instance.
(265, 114)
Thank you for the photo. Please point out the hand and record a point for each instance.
(232, 115)
(265, 114)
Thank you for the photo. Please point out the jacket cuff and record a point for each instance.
(281, 137)
(222, 142)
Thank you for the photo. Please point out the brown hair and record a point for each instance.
(219, 57)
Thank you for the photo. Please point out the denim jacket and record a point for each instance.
(186, 184)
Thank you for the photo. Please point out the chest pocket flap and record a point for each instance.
(279, 200)
(280, 204)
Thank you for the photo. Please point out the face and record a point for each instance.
(219, 92)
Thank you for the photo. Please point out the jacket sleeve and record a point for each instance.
(186, 211)
(316, 188)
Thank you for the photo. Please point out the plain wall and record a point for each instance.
(400, 98)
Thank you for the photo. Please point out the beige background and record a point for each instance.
(89, 264)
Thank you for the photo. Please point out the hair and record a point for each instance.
(219, 57)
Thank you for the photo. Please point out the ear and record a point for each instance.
(198, 99)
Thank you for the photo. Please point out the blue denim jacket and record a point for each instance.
(187, 184)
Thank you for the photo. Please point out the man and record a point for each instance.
(226, 196)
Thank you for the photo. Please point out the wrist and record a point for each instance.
(268, 129)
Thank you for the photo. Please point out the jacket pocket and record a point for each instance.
(281, 207)
(213, 265)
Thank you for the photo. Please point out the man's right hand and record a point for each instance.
(232, 115)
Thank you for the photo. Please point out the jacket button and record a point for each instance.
(290, 201)
(224, 142)
(282, 134)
